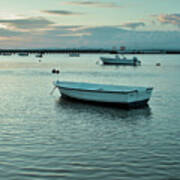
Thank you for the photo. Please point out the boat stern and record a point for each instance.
(140, 97)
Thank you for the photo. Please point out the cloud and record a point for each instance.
(173, 19)
(3, 38)
(8, 33)
(94, 3)
(72, 27)
(27, 24)
(60, 12)
(133, 25)
(70, 36)
(66, 31)
(10, 38)
(108, 36)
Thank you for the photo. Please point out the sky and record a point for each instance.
(135, 24)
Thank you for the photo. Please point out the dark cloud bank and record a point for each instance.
(83, 37)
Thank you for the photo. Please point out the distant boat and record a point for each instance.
(120, 61)
(158, 64)
(74, 54)
(125, 96)
(23, 54)
(39, 55)
(6, 54)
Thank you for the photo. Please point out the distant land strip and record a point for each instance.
(88, 51)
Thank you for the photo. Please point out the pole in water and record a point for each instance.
(54, 71)
(53, 90)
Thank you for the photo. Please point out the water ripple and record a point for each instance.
(46, 137)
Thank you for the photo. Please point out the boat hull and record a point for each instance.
(132, 105)
(118, 61)
(130, 98)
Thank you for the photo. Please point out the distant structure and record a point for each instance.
(122, 48)
(114, 48)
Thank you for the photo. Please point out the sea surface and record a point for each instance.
(43, 136)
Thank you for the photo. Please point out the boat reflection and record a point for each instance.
(101, 111)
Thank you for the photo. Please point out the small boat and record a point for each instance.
(120, 61)
(74, 54)
(158, 64)
(123, 96)
(39, 55)
(23, 54)
(6, 54)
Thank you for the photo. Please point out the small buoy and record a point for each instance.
(158, 64)
(54, 71)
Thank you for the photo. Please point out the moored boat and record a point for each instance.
(74, 54)
(6, 54)
(120, 61)
(124, 96)
(23, 54)
(39, 55)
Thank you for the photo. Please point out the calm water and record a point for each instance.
(45, 137)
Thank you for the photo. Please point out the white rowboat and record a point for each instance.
(125, 96)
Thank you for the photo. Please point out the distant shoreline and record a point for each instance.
(86, 51)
